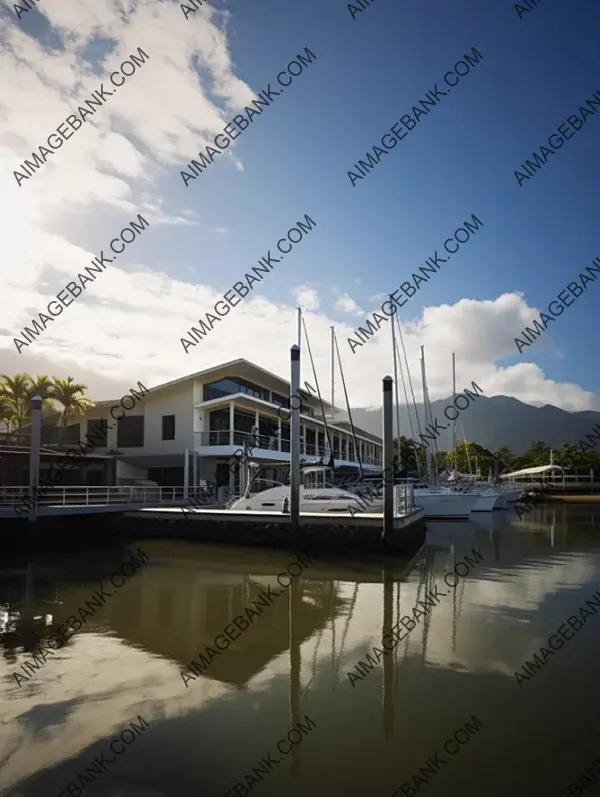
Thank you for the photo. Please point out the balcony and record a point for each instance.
(219, 443)
(223, 438)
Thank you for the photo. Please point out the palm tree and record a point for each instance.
(15, 391)
(43, 386)
(6, 412)
(70, 394)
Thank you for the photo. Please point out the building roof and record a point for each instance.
(536, 471)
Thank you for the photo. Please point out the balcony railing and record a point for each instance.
(223, 438)
(272, 443)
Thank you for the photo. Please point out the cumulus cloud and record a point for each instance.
(347, 304)
(168, 110)
(306, 297)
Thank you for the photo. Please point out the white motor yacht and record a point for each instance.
(445, 503)
(488, 499)
(490, 496)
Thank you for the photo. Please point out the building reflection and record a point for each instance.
(174, 612)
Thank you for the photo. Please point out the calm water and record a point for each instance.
(291, 665)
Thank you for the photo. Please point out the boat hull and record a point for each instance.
(310, 501)
(486, 502)
(512, 496)
(446, 506)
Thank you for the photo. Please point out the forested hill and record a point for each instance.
(494, 423)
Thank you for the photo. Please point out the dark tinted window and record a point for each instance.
(168, 427)
(130, 431)
(227, 387)
(96, 433)
(72, 433)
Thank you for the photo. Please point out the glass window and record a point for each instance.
(219, 421)
(227, 387)
(71, 434)
(96, 432)
(168, 427)
(50, 435)
(130, 432)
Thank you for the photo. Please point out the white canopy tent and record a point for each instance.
(540, 470)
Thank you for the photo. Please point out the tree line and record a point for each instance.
(470, 457)
(17, 391)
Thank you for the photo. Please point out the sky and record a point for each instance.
(535, 68)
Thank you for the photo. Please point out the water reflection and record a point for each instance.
(294, 659)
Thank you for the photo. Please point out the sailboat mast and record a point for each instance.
(348, 410)
(453, 399)
(424, 380)
(299, 327)
(395, 352)
(333, 373)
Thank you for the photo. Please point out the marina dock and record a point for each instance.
(339, 532)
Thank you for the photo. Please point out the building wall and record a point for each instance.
(178, 400)
(172, 401)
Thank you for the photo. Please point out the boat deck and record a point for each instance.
(344, 519)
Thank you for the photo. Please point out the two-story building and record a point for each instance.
(210, 414)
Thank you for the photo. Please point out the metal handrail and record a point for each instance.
(90, 496)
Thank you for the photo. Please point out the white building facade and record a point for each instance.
(211, 414)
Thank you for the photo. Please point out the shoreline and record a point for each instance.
(591, 498)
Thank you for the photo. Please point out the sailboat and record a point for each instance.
(441, 502)
(491, 496)
(316, 493)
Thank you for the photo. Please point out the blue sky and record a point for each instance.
(535, 71)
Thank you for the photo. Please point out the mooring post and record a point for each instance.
(34, 456)
(295, 440)
(388, 458)
(186, 474)
(195, 470)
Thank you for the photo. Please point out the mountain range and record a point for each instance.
(492, 422)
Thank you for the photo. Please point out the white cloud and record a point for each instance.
(347, 304)
(306, 297)
(128, 323)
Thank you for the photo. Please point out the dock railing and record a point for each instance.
(94, 496)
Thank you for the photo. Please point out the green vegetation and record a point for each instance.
(16, 393)
(469, 455)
